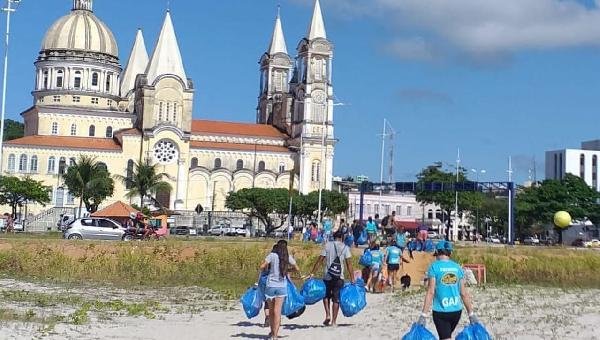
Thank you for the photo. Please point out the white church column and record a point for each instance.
(182, 183)
(329, 169)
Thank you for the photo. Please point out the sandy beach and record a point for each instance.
(509, 313)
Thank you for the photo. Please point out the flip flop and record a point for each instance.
(326, 322)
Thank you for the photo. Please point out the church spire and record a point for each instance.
(317, 25)
(85, 5)
(166, 58)
(138, 61)
(278, 39)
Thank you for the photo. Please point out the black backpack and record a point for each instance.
(335, 269)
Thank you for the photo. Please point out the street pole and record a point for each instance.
(510, 202)
(8, 9)
(383, 135)
(455, 226)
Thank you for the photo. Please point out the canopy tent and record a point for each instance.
(118, 211)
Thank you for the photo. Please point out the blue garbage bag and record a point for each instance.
(418, 332)
(313, 291)
(474, 332)
(349, 241)
(429, 246)
(294, 301)
(362, 239)
(366, 259)
(360, 282)
(353, 299)
(252, 302)
(319, 238)
(262, 284)
(306, 236)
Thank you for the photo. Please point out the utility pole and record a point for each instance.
(510, 201)
(455, 226)
(8, 9)
(383, 136)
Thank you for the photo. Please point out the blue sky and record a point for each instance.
(497, 79)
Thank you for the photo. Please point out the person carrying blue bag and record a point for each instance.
(333, 254)
(278, 263)
(447, 294)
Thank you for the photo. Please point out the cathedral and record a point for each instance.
(85, 103)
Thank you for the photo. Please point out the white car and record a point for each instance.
(216, 231)
(595, 243)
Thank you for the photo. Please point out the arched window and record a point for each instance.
(194, 163)
(174, 112)
(92, 131)
(239, 165)
(77, 80)
(109, 132)
(281, 168)
(45, 79)
(160, 111)
(51, 165)
(102, 166)
(23, 163)
(11, 163)
(261, 166)
(218, 163)
(108, 80)
(54, 128)
(72, 161)
(95, 79)
(168, 111)
(315, 173)
(582, 166)
(430, 214)
(73, 129)
(129, 174)
(59, 78)
(33, 164)
(62, 166)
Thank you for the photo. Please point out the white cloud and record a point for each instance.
(482, 28)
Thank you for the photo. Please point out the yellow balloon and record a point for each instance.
(562, 219)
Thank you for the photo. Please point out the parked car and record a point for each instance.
(532, 241)
(216, 231)
(242, 231)
(91, 228)
(64, 221)
(493, 239)
(548, 241)
(183, 231)
(592, 244)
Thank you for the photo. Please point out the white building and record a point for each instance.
(579, 162)
(405, 205)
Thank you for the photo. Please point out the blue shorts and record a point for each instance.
(275, 292)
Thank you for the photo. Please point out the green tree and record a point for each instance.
(89, 181)
(145, 181)
(262, 204)
(15, 192)
(13, 129)
(332, 203)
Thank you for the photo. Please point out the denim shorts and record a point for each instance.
(275, 292)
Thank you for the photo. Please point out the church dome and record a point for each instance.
(81, 30)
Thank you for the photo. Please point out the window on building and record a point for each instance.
(168, 116)
(70, 198)
(318, 65)
(54, 130)
(23, 163)
(73, 129)
(555, 166)
(409, 211)
(62, 166)
(33, 164)
(11, 163)
(582, 166)
(92, 131)
(95, 100)
(129, 174)
(194, 163)
(174, 112)
(281, 168)
(108, 81)
(560, 166)
(109, 132)
(239, 165)
(160, 111)
(377, 208)
(77, 80)
(59, 78)
(76, 99)
(595, 172)
(218, 163)
(315, 171)
(261, 166)
(102, 166)
(51, 165)
(46, 79)
(430, 214)
(108, 102)
(399, 210)
(72, 161)
(56, 99)
(95, 79)
(369, 211)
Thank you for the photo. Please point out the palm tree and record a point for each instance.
(144, 181)
(90, 181)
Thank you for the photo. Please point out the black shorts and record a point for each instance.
(332, 289)
(445, 323)
(393, 267)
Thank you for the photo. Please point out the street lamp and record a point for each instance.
(11, 6)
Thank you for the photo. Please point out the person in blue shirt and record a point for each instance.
(446, 293)
(371, 229)
(376, 264)
(394, 259)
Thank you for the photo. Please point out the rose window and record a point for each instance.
(165, 152)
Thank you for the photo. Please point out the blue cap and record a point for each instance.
(443, 245)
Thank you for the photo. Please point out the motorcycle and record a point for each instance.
(139, 234)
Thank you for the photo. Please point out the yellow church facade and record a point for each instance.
(85, 103)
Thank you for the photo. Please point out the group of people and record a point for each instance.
(446, 294)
